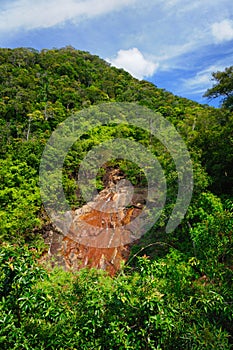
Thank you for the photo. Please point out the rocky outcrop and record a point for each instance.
(98, 236)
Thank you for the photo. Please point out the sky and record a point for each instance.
(175, 44)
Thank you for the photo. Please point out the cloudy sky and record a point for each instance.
(175, 44)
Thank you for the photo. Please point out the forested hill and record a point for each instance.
(176, 289)
(40, 89)
(46, 86)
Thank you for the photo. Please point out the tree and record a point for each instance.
(19, 201)
(223, 87)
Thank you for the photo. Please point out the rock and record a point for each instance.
(98, 235)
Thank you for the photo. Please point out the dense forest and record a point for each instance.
(174, 290)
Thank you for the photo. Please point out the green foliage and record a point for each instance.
(40, 89)
(223, 87)
(20, 200)
(18, 274)
(179, 294)
(212, 231)
(160, 305)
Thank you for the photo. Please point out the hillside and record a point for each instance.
(174, 289)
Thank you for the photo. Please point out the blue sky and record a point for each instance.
(175, 44)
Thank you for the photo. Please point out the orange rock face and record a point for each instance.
(98, 236)
(77, 256)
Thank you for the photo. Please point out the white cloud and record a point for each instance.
(134, 62)
(198, 84)
(223, 31)
(202, 80)
(27, 15)
(181, 5)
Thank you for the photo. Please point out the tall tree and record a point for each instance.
(223, 87)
